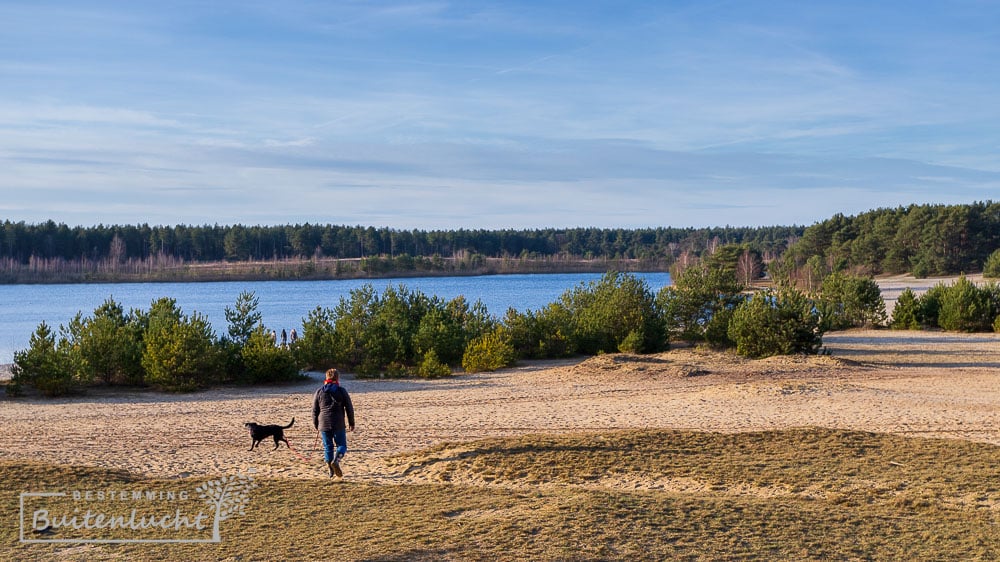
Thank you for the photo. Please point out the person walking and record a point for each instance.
(330, 404)
(284, 338)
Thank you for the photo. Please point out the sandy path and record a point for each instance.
(915, 383)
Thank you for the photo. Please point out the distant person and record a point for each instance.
(274, 338)
(284, 338)
(293, 337)
(330, 404)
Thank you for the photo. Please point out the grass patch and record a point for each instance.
(798, 494)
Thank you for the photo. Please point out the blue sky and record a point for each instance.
(441, 115)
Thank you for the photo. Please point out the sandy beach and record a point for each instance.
(915, 383)
(930, 384)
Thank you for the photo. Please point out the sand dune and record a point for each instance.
(913, 383)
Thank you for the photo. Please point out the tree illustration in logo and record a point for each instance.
(228, 496)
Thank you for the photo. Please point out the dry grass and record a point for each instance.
(805, 494)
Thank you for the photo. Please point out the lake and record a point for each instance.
(283, 304)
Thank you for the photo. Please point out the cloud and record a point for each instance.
(435, 114)
(41, 115)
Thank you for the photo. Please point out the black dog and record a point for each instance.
(259, 433)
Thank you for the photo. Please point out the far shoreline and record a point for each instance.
(320, 269)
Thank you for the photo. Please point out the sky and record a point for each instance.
(517, 114)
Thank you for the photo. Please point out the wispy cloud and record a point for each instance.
(443, 114)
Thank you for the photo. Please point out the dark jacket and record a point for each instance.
(330, 404)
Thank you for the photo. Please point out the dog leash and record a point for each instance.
(296, 452)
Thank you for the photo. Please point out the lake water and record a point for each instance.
(283, 304)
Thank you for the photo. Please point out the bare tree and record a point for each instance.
(748, 268)
(116, 253)
(713, 245)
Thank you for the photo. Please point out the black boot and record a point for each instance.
(330, 465)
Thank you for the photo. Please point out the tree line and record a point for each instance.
(925, 240)
(22, 242)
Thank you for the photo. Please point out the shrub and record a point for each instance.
(966, 308)
(930, 305)
(991, 267)
(772, 323)
(108, 345)
(699, 305)
(350, 321)
(180, 352)
(244, 318)
(475, 320)
(541, 334)
(231, 361)
(851, 301)
(44, 365)
(395, 318)
(431, 367)
(489, 352)
(992, 292)
(525, 333)
(632, 342)
(320, 346)
(906, 313)
(440, 333)
(606, 312)
(265, 362)
(394, 331)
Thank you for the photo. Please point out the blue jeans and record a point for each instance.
(338, 436)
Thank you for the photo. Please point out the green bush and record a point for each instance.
(699, 305)
(180, 352)
(107, 346)
(442, 329)
(632, 342)
(321, 346)
(350, 320)
(395, 319)
(489, 352)
(392, 333)
(244, 318)
(541, 334)
(960, 307)
(930, 305)
(265, 362)
(431, 367)
(906, 313)
(966, 308)
(848, 301)
(231, 360)
(771, 323)
(525, 333)
(992, 292)
(43, 365)
(991, 267)
(606, 312)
